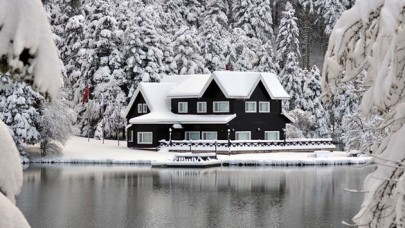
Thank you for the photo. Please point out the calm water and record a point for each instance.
(99, 196)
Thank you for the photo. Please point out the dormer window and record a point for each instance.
(142, 108)
(264, 106)
(183, 107)
(139, 108)
(250, 106)
(221, 106)
(201, 107)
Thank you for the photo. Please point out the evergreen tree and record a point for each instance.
(242, 57)
(307, 31)
(291, 79)
(149, 55)
(254, 17)
(345, 102)
(267, 61)
(331, 10)
(193, 11)
(215, 42)
(18, 104)
(188, 57)
(100, 59)
(312, 102)
(173, 15)
(288, 36)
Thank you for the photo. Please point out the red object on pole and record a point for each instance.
(85, 95)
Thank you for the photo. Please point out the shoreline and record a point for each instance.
(79, 151)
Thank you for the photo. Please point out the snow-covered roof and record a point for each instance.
(236, 84)
(176, 79)
(155, 95)
(273, 86)
(232, 83)
(171, 118)
(191, 86)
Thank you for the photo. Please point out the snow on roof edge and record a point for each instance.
(283, 95)
(172, 118)
(133, 98)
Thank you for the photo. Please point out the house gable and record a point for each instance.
(133, 111)
(211, 93)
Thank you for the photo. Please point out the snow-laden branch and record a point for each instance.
(27, 51)
(27, 48)
(370, 37)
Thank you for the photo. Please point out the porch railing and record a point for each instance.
(224, 145)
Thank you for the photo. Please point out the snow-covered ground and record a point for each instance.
(79, 150)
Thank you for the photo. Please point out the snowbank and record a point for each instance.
(79, 150)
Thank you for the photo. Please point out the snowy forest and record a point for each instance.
(105, 49)
(108, 47)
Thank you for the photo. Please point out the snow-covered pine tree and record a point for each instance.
(252, 49)
(147, 50)
(311, 101)
(101, 60)
(193, 11)
(291, 78)
(287, 40)
(370, 37)
(188, 54)
(266, 57)
(242, 57)
(254, 17)
(344, 102)
(215, 42)
(308, 14)
(331, 10)
(17, 110)
(173, 13)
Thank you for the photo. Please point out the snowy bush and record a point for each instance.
(303, 125)
(56, 120)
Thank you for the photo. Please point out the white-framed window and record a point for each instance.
(144, 137)
(264, 106)
(145, 108)
(221, 106)
(209, 135)
(192, 135)
(271, 135)
(242, 135)
(139, 108)
(201, 107)
(250, 106)
(183, 107)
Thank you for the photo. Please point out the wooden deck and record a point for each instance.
(251, 146)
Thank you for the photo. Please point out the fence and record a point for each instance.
(248, 145)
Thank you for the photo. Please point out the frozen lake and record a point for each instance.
(125, 196)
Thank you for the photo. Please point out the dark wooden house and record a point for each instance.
(206, 107)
